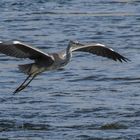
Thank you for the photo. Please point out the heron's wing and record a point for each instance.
(100, 50)
(21, 50)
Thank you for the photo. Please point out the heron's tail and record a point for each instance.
(26, 68)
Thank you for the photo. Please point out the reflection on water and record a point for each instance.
(92, 97)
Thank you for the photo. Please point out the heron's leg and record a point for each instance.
(24, 84)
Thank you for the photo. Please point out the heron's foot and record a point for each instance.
(26, 82)
(19, 89)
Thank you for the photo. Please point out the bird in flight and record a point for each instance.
(51, 61)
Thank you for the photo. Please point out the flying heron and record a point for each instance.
(51, 61)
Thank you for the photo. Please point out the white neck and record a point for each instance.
(68, 55)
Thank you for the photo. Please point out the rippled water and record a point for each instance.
(93, 97)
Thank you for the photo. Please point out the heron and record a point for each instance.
(51, 61)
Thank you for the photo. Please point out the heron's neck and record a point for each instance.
(68, 53)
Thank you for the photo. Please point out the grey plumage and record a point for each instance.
(45, 61)
(98, 49)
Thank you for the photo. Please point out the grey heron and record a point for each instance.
(51, 61)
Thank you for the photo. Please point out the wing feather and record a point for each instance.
(21, 50)
(98, 49)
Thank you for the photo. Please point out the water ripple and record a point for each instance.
(112, 126)
(7, 125)
(93, 97)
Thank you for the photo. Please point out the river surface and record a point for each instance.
(92, 98)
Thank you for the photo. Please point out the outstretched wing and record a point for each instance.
(98, 49)
(21, 50)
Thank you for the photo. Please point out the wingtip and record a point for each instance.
(127, 60)
(124, 59)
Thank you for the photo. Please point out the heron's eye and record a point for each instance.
(76, 42)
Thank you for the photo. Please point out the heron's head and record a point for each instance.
(74, 43)
(71, 45)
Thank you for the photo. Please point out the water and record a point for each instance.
(93, 97)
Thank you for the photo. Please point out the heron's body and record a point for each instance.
(47, 62)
